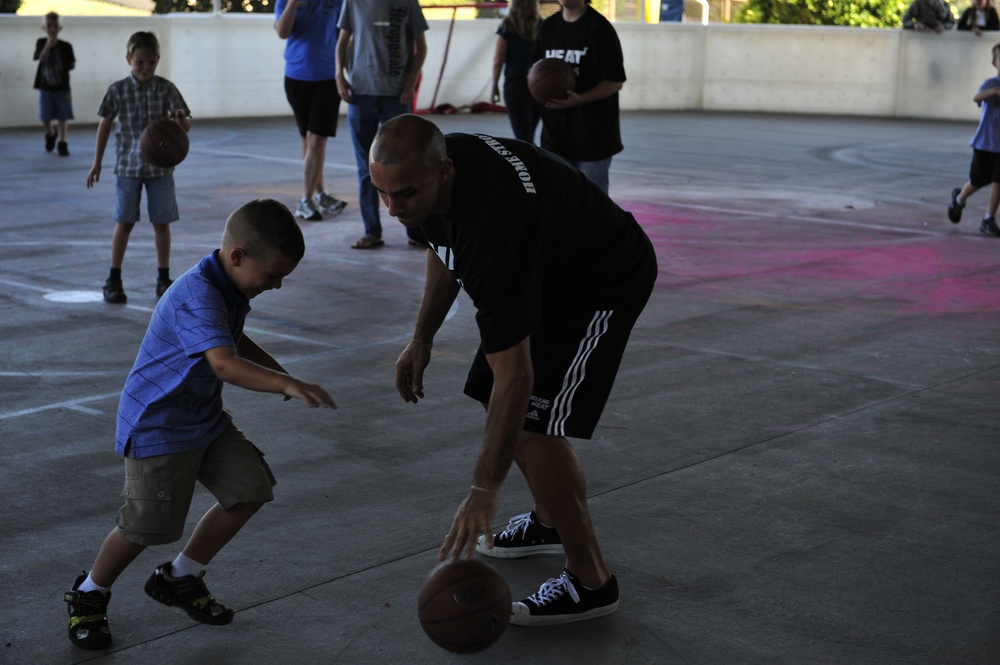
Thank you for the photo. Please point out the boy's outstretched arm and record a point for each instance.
(231, 368)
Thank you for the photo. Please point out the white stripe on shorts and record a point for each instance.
(562, 406)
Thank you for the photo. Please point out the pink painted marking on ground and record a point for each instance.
(754, 261)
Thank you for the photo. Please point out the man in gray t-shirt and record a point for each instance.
(380, 51)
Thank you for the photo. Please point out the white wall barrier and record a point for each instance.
(232, 66)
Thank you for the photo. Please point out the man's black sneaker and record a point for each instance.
(188, 593)
(955, 208)
(88, 617)
(989, 226)
(565, 600)
(50, 142)
(114, 292)
(162, 284)
(63, 149)
(524, 536)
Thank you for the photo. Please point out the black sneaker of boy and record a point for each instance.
(88, 617)
(955, 208)
(188, 593)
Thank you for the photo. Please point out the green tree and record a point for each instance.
(235, 6)
(859, 13)
(9, 6)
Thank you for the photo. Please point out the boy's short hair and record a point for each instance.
(52, 16)
(264, 227)
(145, 41)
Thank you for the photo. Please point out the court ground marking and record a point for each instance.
(328, 349)
(72, 405)
(327, 165)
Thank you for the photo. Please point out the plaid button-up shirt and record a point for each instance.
(135, 105)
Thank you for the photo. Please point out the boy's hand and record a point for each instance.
(309, 393)
(94, 176)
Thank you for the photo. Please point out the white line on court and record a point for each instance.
(336, 166)
(45, 373)
(72, 405)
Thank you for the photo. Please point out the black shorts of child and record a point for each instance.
(316, 105)
(985, 168)
(575, 355)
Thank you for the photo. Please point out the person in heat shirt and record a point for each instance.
(558, 275)
(583, 128)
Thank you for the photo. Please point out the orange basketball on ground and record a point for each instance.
(550, 78)
(464, 606)
(163, 143)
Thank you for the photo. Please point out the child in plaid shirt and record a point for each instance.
(136, 101)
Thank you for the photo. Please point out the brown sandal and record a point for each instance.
(368, 242)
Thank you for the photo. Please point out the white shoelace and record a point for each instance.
(517, 523)
(553, 589)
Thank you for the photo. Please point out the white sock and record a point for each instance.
(183, 566)
(90, 585)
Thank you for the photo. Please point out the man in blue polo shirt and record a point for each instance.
(173, 430)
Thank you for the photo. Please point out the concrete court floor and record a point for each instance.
(798, 464)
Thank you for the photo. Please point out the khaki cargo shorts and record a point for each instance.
(158, 490)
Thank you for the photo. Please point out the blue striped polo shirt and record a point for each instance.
(172, 400)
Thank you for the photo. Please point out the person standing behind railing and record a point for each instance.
(978, 17)
(929, 15)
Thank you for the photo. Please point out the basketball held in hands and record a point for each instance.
(550, 78)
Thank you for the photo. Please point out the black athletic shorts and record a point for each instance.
(985, 168)
(316, 105)
(575, 355)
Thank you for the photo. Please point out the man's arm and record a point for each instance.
(513, 378)
(440, 291)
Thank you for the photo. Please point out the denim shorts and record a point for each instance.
(158, 490)
(161, 206)
(55, 105)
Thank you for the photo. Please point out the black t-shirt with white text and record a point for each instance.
(588, 132)
(526, 234)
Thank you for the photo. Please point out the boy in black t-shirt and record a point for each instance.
(558, 275)
(55, 102)
(583, 128)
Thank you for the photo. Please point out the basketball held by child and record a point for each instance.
(550, 78)
(163, 143)
(464, 606)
